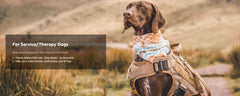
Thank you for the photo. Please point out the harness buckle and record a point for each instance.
(165, 65)
(160, 66)
(155, 67)
(180, 91)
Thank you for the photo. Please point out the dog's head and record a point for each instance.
(144, 17)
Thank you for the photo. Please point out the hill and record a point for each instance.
(197, 24)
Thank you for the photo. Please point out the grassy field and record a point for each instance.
(207, 30)
(62, 82)
(105, 82)
(235, 86)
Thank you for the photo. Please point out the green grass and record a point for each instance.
(234, 84)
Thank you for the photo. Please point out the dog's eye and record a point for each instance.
(140, 6)
(129, 6)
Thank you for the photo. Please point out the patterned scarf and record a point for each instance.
(150, 45)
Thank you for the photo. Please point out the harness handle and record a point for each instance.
(197, 75)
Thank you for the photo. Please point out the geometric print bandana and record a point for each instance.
(150, 45)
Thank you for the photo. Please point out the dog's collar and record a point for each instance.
(150, 45)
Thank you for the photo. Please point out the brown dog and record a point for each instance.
(145, 18)
(158, 69)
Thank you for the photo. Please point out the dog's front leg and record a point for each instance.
(147, 87)
(143, 87)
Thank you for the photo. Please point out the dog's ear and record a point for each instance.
(158, 19)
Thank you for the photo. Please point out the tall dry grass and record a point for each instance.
(109, 81)
(34, 82)
(30, 82)
(52, 82)
(99, 82)
(234, 82)
(119, 59)
(200, 58)
(234, 57)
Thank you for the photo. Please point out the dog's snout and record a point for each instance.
(127, 14)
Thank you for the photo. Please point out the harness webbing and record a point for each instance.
(197, 76)
(145, 68)
(163, 64)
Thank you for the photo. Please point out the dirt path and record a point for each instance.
(216, 70)
(214, 77)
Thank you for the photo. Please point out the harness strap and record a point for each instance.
(145, 68)
(201, 80)
(197, 75)
(180, 91)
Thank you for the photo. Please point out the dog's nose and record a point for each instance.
(127, 14)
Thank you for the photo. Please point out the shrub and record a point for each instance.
(234, 57)
(201, 58)
(196, 58)
(219, 57)
(119, 59)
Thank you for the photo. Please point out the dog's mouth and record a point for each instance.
(129, 22)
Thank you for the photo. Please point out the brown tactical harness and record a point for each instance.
(186, 82)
